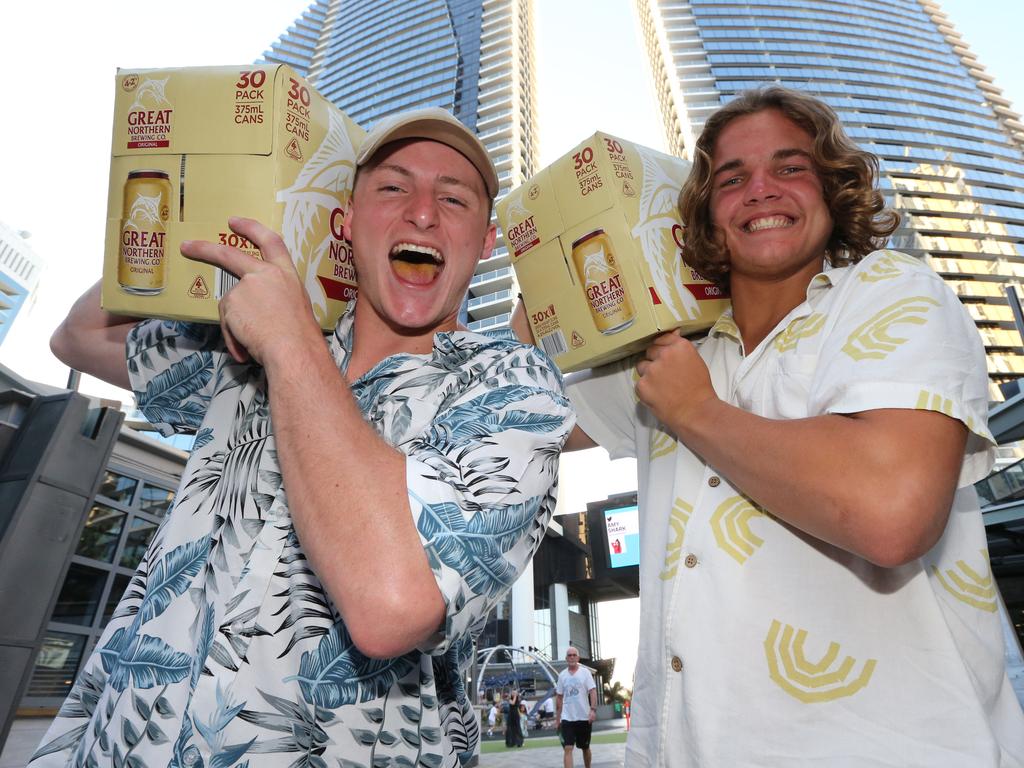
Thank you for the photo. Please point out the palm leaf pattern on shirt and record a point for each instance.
(337, 673)
(245, 588)
(302, 722)
(476, 548)
(177, 395)
(149, 660)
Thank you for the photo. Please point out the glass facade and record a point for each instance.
(474, 58)
(907, 89)
(124, 516)
(20, 270)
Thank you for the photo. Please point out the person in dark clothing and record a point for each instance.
(513, 728)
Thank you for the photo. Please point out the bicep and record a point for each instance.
(912, 459)
(92, 340)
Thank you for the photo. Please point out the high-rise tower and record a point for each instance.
(907, 89)
(474, 58)
(20, 269)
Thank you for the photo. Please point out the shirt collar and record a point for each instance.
(820, 284)
(451, 348)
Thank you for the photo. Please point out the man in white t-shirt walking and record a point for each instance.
(575, 707)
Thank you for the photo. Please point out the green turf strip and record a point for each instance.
(531, 743)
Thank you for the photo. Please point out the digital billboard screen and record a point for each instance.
(622, 525)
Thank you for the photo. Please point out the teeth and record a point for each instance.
(414, 248)
(769, 222)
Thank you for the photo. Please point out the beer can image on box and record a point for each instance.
(141, 266)
(610, 305)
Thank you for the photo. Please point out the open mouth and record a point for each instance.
(768, 222)
(416, 264)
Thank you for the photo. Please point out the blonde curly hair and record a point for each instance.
(861, 222)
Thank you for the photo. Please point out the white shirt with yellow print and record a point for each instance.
(762, 646)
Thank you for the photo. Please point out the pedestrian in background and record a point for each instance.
(575, 708)
(513, 727)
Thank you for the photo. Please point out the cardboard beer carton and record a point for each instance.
(192, 147)
(595, 240)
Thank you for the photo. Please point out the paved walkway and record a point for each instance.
(25, 735)
(602, 755)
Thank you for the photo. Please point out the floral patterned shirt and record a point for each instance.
(226, 650)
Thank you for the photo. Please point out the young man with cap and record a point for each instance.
(351, 510)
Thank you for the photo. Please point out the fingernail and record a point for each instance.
(186, 243)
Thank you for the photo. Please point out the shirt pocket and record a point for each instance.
(786, 386)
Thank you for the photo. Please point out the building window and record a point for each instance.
(155, 500)
(118, 487)
(135, 543)
(56, 665)
(80, 596)
(102, 531)
(118, 530)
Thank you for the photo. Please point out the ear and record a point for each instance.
(346, 226)
(489, 238)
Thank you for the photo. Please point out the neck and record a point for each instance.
(374, 339)
(758, 304)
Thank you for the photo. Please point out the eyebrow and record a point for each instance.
(781, 154)
(405, 172)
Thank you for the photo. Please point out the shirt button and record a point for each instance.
(677, 664)
(714, 481)
(690, 561)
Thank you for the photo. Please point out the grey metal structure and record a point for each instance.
(53, 452)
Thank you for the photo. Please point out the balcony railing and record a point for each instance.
(490, 322)
(1000, 487)
(490, 298)
(494, 274)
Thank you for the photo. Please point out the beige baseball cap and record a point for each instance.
(437, 125)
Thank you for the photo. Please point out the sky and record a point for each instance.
(60, 59)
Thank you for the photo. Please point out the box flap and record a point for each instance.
(529, 215)
(209, 110)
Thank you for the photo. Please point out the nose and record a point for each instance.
(762, 186)
(421, 210)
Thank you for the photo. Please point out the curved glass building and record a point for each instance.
(474, 58)
(907, 89)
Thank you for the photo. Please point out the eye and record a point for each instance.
(456, 201)
(791, 169)
(731, 181)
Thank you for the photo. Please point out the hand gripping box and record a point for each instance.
(192, 147)
(595, 240)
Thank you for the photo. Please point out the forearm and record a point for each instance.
(363, 545)
(861, 482)
(92, 340)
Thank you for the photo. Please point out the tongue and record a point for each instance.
(416, 273)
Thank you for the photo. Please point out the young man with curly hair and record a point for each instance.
(814, 575)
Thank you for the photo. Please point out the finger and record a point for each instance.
(238, 352)
(653, 352)
(227, 258)
(666, 339)
(642, 366)
(267, 240)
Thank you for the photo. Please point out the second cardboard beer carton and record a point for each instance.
(595, 240)
(192, 147)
